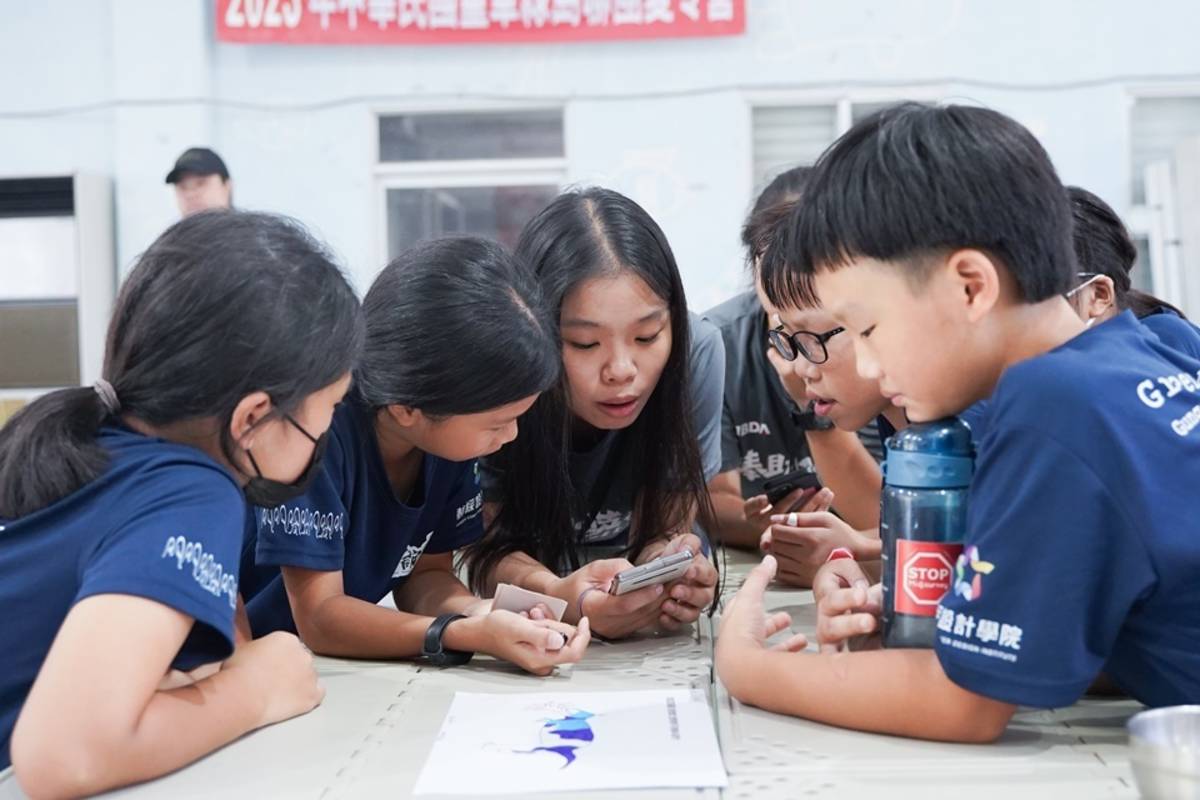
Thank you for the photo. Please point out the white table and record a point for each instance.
(371, 735)
(1079, 751)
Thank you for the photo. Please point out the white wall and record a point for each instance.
(55, 54)
(687, 161)
(666, 122)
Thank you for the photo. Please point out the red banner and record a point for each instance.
(383, 22)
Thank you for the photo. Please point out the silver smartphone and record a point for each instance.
(652, 573)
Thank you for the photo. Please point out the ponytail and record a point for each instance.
(223, 304)
(48, 450)
(1143, 304)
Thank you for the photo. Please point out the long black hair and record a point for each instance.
(583, 234)
(223, 304)
(454, 326)
(1103, 247)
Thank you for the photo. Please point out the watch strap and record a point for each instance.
(435, 652)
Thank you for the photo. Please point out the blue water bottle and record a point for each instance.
(923, 521)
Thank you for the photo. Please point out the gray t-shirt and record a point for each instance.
(610, 525)
(762, 435)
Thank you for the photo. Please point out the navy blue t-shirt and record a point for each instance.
(163, 522)
(1174, 331)
(976, 418)
(351, 521)
(1082, 547)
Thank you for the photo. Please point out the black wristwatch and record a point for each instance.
(433, 650)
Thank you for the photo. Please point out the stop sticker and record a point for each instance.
(924, 571)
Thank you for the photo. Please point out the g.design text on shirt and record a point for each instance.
(1173, 385)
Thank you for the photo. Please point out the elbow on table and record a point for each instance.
(317, 626)
(738, 670)
(313, 637)
(980, 720)
(53, 766)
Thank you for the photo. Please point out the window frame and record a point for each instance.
(1154, 219)
(842, 101)
(458, 173)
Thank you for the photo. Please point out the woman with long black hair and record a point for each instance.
(609, 461)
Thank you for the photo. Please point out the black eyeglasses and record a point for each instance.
(804, 343)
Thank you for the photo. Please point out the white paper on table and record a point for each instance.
(562, 741)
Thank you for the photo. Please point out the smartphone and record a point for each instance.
(652, 573)
(778, 488)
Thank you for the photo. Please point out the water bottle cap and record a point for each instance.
(933, 455)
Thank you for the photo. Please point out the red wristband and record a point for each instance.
(839, 552)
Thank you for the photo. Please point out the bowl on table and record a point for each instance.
(1164, 748)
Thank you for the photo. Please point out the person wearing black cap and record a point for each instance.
(201, 181)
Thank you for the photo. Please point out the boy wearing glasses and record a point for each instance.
(809, 342)
(768, 430)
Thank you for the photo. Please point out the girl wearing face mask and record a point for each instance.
(608, 462)
(458, 347)
(1106, 254)
(121, 508)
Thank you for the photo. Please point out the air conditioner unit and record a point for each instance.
(57, 283)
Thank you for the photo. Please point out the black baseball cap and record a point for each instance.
(197, 161)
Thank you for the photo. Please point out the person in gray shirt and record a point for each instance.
(609, 468)
(765, 433)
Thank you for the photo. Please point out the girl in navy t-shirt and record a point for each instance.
(458, 348)
(121, 508)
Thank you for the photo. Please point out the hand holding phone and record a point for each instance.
(778, 488)
(661, 570)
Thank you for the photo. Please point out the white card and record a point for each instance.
(514, 598)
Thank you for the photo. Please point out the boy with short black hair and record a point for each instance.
(941, 239)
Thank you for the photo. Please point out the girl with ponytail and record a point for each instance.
(122, 508)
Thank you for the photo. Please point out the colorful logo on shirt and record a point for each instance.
(969, 572)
